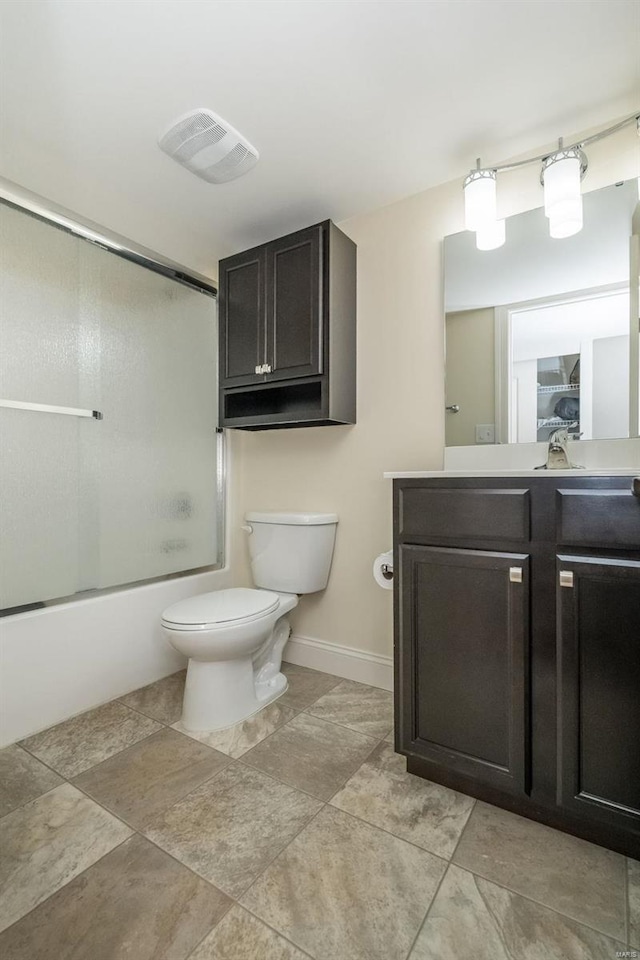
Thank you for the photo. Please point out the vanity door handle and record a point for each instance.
(635, 487)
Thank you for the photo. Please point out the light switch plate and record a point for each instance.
(485, 433)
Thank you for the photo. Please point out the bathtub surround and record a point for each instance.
(81, 654)
(336, 852)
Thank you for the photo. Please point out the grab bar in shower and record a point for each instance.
(50, 408)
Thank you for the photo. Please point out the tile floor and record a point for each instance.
(298, 834)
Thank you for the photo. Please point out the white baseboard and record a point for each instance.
(371, 668)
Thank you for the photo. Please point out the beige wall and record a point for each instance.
(400, 402)
(470, 381)
(400, 423)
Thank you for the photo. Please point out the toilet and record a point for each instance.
(234, 638)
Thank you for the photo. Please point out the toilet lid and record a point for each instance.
(222, 606)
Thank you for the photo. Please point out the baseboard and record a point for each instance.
(371, 668)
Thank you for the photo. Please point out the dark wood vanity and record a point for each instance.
(517, 645)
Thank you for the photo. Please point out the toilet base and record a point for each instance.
(220, 694)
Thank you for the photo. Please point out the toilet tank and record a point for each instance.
(291, 552)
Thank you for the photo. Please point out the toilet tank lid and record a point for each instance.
(292, 518)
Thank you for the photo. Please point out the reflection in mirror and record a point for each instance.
(543, 333)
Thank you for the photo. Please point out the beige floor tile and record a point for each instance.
(576, 878)
(343, 889)
(78, 744)
(384, 794)
(473, 919)
(236, 740)
(312, 755)
(136, 903)
(46, 843)
(161, 700)
(305, 686)
(147, 778)
(634, 902)
(361, 708)
(231, 827)
(22, 778)
(241, 936)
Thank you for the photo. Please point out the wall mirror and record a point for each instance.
(543, 333)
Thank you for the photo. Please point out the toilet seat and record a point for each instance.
(220, 608)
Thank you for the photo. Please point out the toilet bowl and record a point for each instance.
(234, 638)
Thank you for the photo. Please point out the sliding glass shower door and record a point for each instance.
(108, 411)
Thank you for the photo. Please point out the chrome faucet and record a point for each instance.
(558, 453)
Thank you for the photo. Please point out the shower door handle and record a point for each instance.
(50, 408)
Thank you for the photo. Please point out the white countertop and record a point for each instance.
(551, 474)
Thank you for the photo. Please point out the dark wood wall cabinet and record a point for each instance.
(287, 320)
(517, 645)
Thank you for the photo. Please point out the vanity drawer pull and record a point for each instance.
(566, 578)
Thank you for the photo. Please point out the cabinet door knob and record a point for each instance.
(258, 369)
(566, 578)
(515, 574)
(266, 368)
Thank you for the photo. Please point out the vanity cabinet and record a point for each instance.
(599, 687)
(287, 349)
(517, 645)
(473, 607)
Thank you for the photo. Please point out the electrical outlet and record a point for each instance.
(485, 433)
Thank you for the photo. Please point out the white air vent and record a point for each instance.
(208, 146)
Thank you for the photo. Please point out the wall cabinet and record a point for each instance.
(517, 646)
(287, 318)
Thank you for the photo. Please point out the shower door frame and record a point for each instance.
(30, 203)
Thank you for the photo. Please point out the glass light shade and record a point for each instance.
(491, 235)
(479, 199)
(566, 220)
(561, 182)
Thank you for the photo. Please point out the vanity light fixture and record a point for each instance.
(561, 174)
(491, 235)
(480, 209)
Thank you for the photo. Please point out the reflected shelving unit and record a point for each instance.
(556, 381)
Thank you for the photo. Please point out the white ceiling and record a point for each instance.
(352, 105)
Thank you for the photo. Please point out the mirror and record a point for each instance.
(543, 333)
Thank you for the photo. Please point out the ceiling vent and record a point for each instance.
(208, 146)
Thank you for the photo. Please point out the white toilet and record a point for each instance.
(234, 638)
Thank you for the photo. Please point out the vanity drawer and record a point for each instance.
(458, 515)
(598, 518)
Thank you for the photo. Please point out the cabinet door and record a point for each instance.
(599, 688)
(241, 318)
(294, 305)
(464, 663)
